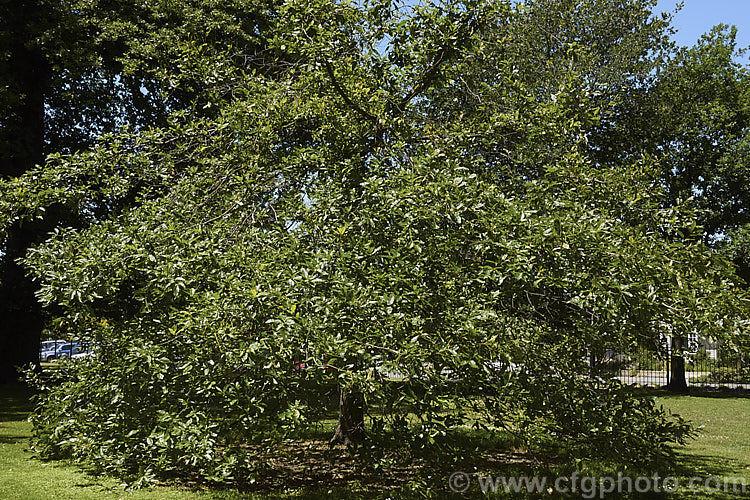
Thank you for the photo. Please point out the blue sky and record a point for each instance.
(699, 16)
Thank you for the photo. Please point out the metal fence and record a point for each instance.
(706, 365)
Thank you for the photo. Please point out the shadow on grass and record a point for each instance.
(15, 406)
(308, 469)
(704, 466)
(13, 439)
(707, 476)
(15, 402)
(696, 392)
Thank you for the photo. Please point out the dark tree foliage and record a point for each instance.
(73, 71)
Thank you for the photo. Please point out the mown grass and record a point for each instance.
(721, 450)
(23, 477)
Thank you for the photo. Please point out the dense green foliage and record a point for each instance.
(71, 71)
(392, 208)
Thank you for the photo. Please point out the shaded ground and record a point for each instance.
(307, 469)
(302, 469)
(309, 464)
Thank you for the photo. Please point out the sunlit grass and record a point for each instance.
(722, 448)
(23, 477)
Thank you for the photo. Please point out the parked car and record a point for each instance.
(65, 350)
(46, 345)
(85, 351)
(47, 348)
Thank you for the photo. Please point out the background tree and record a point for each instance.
(694, 118)
(74, 70)
(697, 109)
(685, 107)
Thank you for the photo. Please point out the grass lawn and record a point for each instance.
(25, 478)
(722, 450)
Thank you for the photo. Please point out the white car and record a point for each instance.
(84, 353)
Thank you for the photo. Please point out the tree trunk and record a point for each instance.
(350, 430)
(22, 146)
(677, 380)
(20, 317)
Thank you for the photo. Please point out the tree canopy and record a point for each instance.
(402, 211)
(72, 71)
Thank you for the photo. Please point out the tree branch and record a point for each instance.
(368, 116)
(426, 79)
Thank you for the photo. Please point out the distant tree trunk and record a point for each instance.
(22, 146)
(677, 380)
(350, 430)
(20, 313)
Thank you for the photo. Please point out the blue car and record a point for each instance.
(65, 350)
